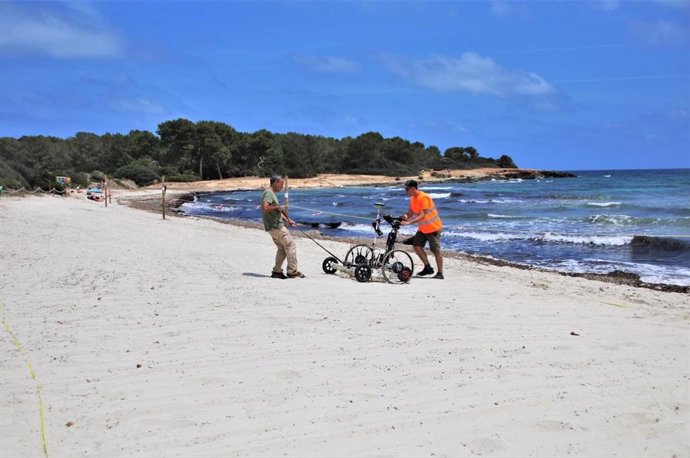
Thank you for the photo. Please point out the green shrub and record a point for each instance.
(183, 177)
(140, 174)
(506, 162)
(169, 171)
(124, 183)
(80, 179)
(97, 175)
(10, 183)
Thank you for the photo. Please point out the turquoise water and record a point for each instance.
(632, 220)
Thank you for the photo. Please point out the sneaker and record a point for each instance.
(295, 275)
(278, 275)
(439, 276)
(427, 270)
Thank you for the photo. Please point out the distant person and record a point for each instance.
(423, 213)
(273, 216)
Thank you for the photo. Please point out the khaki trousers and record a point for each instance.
(286, 249)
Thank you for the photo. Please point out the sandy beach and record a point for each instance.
(128, 335)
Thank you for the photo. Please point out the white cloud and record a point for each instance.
(469, 73)
(328, 64)
(53, 33)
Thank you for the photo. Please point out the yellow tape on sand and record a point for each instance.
(20, 349)
(616, 305)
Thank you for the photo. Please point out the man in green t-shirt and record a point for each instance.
(273, 216)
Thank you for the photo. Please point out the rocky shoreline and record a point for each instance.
(338, 180)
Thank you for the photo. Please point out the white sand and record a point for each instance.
(235, 363)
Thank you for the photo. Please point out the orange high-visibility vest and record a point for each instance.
(431, 222)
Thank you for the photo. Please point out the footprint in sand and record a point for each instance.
(552, 426)
(485, 445)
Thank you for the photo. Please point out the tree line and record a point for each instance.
(182, 150)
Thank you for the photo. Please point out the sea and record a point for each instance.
(600, 221)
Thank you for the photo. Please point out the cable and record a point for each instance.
(322, 247)
(41, 411)
(331, 213)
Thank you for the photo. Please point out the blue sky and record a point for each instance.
(554, 84)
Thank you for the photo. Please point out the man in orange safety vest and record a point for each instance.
(423, 212)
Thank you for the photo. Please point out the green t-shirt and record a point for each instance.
(272, 220)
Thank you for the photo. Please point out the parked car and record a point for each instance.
(94, 193)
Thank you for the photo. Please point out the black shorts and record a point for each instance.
(434, 239)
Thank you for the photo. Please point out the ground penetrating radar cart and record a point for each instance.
(365, 262)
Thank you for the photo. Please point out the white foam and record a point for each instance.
(604, 204)
(464, 201)
(356, 227)
(616, 220)
(492, 201)
(191, 206)
(438, 195)
(485, 236)
(385, 228)
(612, 240)
(492, 215)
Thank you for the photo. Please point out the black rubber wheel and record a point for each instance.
(405, 274)
(358, 254)
(329, 265)
(397, 267)
(363, 273)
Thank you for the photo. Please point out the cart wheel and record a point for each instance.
(397, 267)
(362, 273)
(329, 265)
(357, 255)
(405, 274)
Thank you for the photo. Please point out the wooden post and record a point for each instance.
(105, 191)
(110, 195)
(287, 200)
(165, 189)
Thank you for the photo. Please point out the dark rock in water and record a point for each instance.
(660, 243)
(315, 224)
(556, 174)
(526, 174)
(523, 174)
(623, 275)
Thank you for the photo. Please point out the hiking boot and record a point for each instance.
(439, 276)
(427, 270)
(278, 275)
(295, 275)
